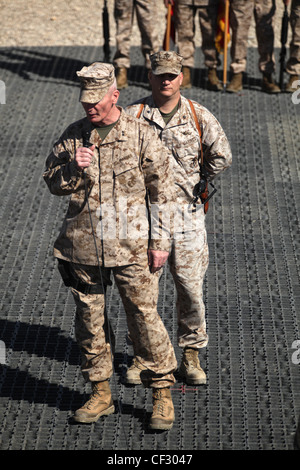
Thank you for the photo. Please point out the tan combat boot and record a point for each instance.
(236, 83)
(163, 410)
(186, 82)
(190, 368)
(99, 404)
(133, 375)
(122, 78)
(291, 85)
(268, 84)
(213, 82)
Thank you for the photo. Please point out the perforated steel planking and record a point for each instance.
(251, 400)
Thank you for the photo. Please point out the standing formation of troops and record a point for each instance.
(137, 179)
(185, 12)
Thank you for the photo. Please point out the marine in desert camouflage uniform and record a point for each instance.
(123, 160)
(170, 115)
(241, 12)
(185, 13)
(146, 19)
(293, 63)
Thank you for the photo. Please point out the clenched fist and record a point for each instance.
(84, 156)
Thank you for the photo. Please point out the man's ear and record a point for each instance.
(115, 96)
(181, 77)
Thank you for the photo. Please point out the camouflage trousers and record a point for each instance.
(146, 19)
(188, 262)
(138, 289)
(293, 64)
(241, 12)
(185, 27)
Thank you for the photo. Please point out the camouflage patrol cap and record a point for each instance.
(166, 62)
(96, 80)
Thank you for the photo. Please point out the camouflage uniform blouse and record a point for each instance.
(130, 162)
(181, 136)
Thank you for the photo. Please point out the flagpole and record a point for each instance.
(168, 32)
(225, 44)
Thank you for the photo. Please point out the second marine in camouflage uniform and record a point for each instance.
(119, 170)
(188, 259)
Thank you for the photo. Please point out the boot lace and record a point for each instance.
(159, 404)
(93, 398)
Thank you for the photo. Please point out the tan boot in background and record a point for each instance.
(122, 78)
(133, 375)
(186, 82)
(190, 368)
(213, 82)
(163, 415)
(236, 83)
(268, 84)
(99, 404)
(291, 85)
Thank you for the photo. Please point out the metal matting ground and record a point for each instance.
(252, 293)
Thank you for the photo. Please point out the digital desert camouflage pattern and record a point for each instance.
(147, 18)
(188, 262)
(181, 136)
(241, 13)
(95, 79)
(189, 257)
(139, 293)
(185, 16)
(293, 63)
(165, 62)
(130, 163)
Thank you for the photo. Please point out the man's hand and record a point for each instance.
(156, 259)
(84, 156)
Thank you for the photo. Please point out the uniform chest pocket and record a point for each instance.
(128, 179)
(187, 155)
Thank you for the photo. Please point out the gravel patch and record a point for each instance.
(78, 23)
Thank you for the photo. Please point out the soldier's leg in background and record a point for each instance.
(185, 28)
(241, 12)
(124, 10)
(293, 63)
(146, 13)
(264, 12)
(208, 25)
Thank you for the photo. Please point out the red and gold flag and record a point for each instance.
(220, 37)
(170, 28)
